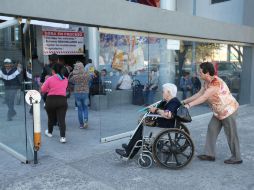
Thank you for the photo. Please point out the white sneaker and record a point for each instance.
(85, 125)
(48, 134)
(63, 140)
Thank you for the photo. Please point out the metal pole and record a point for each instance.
(36, 128)
(193, 61)
(35, 152)
(35, 157)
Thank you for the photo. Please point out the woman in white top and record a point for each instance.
(124, 83)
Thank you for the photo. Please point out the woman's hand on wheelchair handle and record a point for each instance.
(187, 106)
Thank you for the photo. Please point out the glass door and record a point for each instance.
(124, 70)
(13, 58)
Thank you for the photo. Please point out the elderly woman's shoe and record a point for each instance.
(206, 157)
(125, 146)
(121, 152)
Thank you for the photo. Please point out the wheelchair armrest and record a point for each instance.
(153, 115)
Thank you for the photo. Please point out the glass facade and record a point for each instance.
(132, 68)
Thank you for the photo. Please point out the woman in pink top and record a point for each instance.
(56, 102)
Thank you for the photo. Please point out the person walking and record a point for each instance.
(216, 92)
(56, 103)
(10, 75)
(80, 79)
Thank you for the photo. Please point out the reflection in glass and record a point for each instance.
(148, 62)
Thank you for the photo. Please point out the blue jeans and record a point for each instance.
(149, 96)
(82, 102)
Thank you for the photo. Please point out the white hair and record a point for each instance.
(170, 88)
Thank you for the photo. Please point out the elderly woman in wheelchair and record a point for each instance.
(160, 135)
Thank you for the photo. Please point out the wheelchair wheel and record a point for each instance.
(173, 149)
(145, 161)
(182, 127)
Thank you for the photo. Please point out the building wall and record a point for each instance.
(229, 11)
(248, 13)
(131, 16)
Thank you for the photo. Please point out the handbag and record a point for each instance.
(183, 114)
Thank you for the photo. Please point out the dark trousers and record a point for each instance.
(56, 107)
(10, 95)
(136, 137)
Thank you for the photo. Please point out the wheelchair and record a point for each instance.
(171, 148)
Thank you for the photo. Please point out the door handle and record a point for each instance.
(27, 82)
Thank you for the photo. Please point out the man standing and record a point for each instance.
(11, 78)
(196, 84)
(224, 106)
(186, 85)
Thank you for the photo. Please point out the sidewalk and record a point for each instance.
(84, 163)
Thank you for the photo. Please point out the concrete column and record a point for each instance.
(93, 45)
(247, 77)
(228, 52)
(168, 5)
(194, 45)
(167, 57)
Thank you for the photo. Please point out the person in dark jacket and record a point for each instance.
(196, 84)
(11, 78)
(166, 109)
(47, 70)
(96, 84)
(186, 85)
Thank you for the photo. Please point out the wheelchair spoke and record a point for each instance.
(186, 145)
(180, 146)
(176, 136)
(185, 155)
(166, 161)
(177, 162)
(180, 137)
(170, 139)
